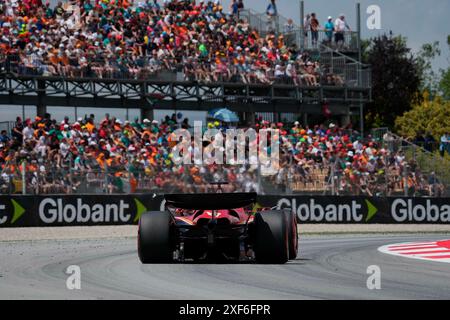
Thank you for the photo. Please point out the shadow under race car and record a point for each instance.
(217, 227)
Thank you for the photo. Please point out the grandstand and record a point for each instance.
(237, 62)
(134, 157)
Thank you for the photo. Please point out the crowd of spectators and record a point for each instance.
(138, 40)
(351, 164)
(111, 156)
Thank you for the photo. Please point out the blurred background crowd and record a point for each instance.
(110, 155)
(124, 39)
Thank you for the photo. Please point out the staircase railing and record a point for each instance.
(261, 22)
(353, 72)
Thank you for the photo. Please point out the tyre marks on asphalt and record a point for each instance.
(431, 250)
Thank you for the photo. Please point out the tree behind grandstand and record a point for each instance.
(426, 117)
(436, 83)
(395, 80)
(433, 114)
(429, 78)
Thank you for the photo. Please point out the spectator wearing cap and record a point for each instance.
(28, 131)
(329, 29)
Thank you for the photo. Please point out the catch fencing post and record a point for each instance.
(259, 177)
(38, 179)
(405, 181)
(105, 167)
(386, 175)
(302, 25)
(71, 165)
(130, 177)
(24, 186)
(332, 178)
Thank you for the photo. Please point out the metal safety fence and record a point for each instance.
(352, 72)
(386, 178)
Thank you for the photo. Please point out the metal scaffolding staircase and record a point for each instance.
(427, 161)
(353, 72)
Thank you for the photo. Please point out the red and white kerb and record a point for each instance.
(430, 250)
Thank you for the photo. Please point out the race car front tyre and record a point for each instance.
(291, 219)
(271, 237)
(155, 237)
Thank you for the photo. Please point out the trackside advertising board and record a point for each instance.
(75, 210)
(329, 209)
(79, 210)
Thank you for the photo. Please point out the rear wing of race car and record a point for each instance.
(211, 201)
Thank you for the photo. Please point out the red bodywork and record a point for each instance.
(232, 216)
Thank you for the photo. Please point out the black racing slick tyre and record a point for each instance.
(155, 237)
(291, 219)
(271, 237)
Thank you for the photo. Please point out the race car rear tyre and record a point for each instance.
(155, 237)
(291, 219)
(271, 237)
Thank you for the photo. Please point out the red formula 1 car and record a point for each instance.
(217, 227)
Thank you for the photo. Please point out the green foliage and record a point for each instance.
(395, 80)
(444, 84)
(425, 57)
(429, 116)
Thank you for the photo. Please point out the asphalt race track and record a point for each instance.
(328, 267)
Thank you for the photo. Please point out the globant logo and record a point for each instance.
(405, 211)
(315, 212)
(53, 211)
